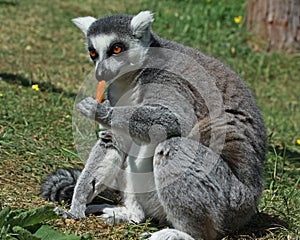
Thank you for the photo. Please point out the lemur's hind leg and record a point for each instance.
(200, 194)
(101, 169)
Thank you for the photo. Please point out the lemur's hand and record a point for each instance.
(92, 109)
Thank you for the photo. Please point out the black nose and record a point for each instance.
(106, 75)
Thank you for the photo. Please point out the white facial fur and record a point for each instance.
(101, 44)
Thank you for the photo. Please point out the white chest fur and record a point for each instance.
(140, 180)
(139, 169)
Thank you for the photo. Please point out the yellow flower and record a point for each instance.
(232, 50)
(35, 87)
(298, 141)
(238, 19)
(1, 94)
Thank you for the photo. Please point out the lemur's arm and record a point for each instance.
(146, 122)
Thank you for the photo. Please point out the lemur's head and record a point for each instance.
(110, 38)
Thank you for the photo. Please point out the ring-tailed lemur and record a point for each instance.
(185, 128)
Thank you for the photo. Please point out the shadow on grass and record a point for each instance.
(9, 3)
(43, 86)
(260, 225)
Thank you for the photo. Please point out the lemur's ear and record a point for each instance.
(83, 23)
(141, 23)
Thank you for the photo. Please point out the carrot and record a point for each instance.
(100, 91)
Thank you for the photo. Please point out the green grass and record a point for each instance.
(40, 45)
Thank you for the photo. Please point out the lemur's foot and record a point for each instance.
(115, 215)
(170, 234)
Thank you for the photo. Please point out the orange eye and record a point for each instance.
(117, 49)
(93, 54)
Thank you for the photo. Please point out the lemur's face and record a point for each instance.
(112, 53)
(116, 43)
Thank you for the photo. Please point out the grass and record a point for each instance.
(39, 45)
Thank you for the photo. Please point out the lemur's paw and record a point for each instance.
(88, 107)
(67, 214)
(170, 234)
(145, 235)
(114, 215)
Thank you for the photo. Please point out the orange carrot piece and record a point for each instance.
(100, 91)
